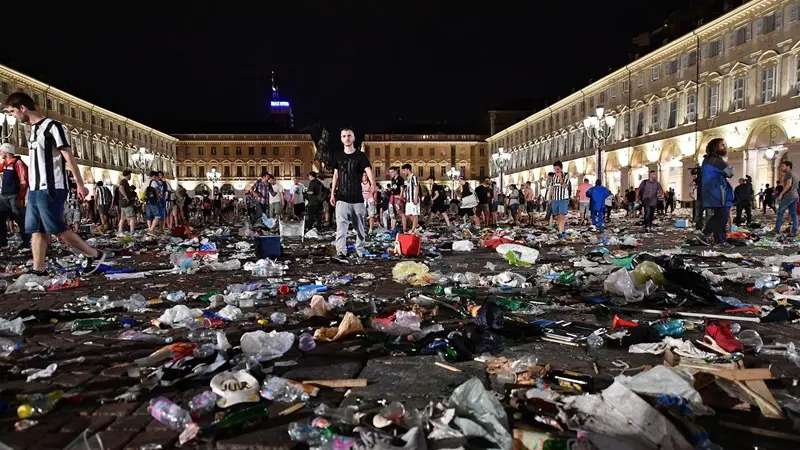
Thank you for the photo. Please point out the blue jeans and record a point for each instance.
(45, 213)
(791, 205)
(597, 218)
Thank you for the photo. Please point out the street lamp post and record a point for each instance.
(770, 153)
(501, 160)
(599, 129)
(7, 126)
(453, 174)
(143, 161)
(214, 177)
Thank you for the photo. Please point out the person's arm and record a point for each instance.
(334, 184)
(786, 187)
(371, 177)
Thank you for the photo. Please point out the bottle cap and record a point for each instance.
(24, 411)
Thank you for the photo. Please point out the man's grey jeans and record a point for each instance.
(345, 214)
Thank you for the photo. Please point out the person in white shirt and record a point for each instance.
(298, 201)
(276, 200)
(412, 196)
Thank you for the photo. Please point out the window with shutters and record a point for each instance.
(768, 84)
(251, 151)
(626, 130)
(263, 151)
(768, 23)
(189, 172)
(741, 35)
(251, 171)
(738, 94)
(226, 151)
(713, 100)
(654, 72)
(714, 48)
(672, 119)
(239, 172)
(671, 67)
(640, 81)
(612, 91)
(625, 86)
(797, 73)
(654, 117)
(691, 59)
(226, 171)
(601, 99)
(691, 107)
(640, 123)
(238, 151)
(420, 151)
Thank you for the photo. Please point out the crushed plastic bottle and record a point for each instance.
(278, 318)
(345, 414)
(168, 413)
(37, 405)
(306, 342)
(313, 432)
(132, 335)
(176, 297)
(7, 345)
(672, 328)
(283, 390)
(595, 341)
(767, 282)
(233, 264)
(202, 404)
(337, 301)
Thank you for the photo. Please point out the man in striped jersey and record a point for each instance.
(558, 194)
(50, 156)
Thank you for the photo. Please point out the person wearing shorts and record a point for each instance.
(485, 194)
(413, 196)
(369, 200)
(297, 199)
(73, 209)
(126, 200)
(530, 202)
(513, 202)
(558, 194)
(465, 191)
(50, 155)
(583, 201)
(439, 203)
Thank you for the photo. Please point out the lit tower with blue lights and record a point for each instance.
(281, 111)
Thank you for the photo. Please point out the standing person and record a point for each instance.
(661, 203)
(583, 201)
(761, 198)
(513, 203)
(412, 197)
(152, 209)
(769, 199)
(465, 191)
(163, 188)
(743, 199)
(597, 202)
(649, 190)
(73, 209)
(630, 202)
(716, 193)
(669, 200)
(609, 205)
(497, 204)
(216, 203)
(13, 190)
(261, 190)
(787, 198)
(206, 206)
(387, 209)
(103, 204)
(51, 155)
(276, 199)
(298, 202)
(559, 188)
(315, 200)
(439, 203)
(172, 207)
(369, 195)
(398, 202)
(484, 193)
(530, 201)
(346, 196)
(126, 203)
(548, 207)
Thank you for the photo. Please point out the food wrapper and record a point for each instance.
(350, 324)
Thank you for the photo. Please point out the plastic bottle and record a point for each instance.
(306, 342)
(168, 413)
(766, 282)
(345, 414)
(336, 301)
(277, 318)
(202, 404)
(176, 297)
(38, 405)
(7, 345)
(95, 324)
(514, 304)
(132, 335)
(441, 290)
(282, 390)
(313, 432)
(673, 328)
(595, 341)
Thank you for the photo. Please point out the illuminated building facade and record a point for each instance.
(736, 77)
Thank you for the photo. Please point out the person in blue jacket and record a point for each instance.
(717, 193)
(597, 202)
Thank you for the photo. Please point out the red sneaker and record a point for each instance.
(721, 333)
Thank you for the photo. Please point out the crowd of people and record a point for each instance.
(52, 199)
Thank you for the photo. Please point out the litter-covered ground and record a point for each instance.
(488, 339)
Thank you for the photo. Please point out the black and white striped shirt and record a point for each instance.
(559, 191)
(413, 187)
(48, 169)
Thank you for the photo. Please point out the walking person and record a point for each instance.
(787, 198)
(716, 193)
(439, 202)
(74, 208)
(12, 193)
(369, 195)
(670, 201)
(769, 199)
(126, 201)
(346, 195)
(261, 190)
(484, 193)
(559, 193)
(583, 201)
(51, 156)
(597, 195)
(315, 201)
(276, 199)
(464, 190)
(530, 202)
(103, 204)
(649, 190)
(412, 197)
(297, 200)
(743, 199)
(152, 209)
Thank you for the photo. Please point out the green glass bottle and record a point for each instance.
(238, 420)
(555, 444)
(441, 290)
(403, 348)
(207, 296)
(95, 324)
(513, 304)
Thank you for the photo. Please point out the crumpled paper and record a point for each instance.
(350, 324)
(179, 316)
(47, 372)
(318, 307)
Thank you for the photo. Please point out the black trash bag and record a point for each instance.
(636, 335)
(688, 283)
(489, 319)
(780, 314)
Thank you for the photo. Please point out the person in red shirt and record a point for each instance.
(13, 190)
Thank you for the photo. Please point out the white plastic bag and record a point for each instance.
(463, 246)
(621, 283)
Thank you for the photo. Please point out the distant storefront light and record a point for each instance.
(279, 103)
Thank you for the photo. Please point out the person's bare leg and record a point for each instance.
(562, 220)
(75, 241)
(446, 219)
(405, 222)
(39, 250)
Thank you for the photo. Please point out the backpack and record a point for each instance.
(151, 195)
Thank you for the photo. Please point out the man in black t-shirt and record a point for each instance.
(484, 194)
(398, 201)
(316, 198)
(439, 203)
(346, 195)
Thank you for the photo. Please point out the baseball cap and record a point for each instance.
(8, 147)
(233, 388)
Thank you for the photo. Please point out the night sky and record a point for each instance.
(369, 65)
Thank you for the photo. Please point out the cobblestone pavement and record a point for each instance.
(416, 381)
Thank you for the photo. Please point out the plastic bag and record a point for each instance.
(350, 324)
(621, 283)
(413, 273)
(28, 282)
(521, 253)
(647, 270)
(463, 246)
(179, 316)
(266, 346)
